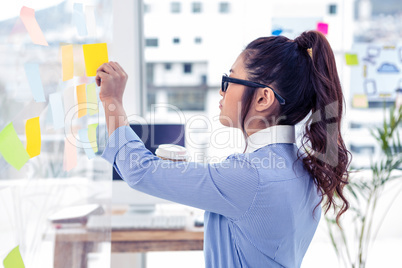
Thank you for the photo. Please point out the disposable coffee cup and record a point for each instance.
(172, 152)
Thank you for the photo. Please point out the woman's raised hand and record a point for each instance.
(112, 80)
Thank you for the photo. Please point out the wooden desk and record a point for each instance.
(73, 245)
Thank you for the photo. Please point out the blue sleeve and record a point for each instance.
(227, 188)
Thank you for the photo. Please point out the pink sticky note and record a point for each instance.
(70, 153)
(28, 18)
(322, 27)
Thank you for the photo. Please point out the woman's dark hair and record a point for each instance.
(303, 71)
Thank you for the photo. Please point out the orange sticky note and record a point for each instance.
(95, 55)
(32, 131)
(82, 100)
(67, 62)
(70, 153)
(27, 16)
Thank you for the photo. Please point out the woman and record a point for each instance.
(262, 207)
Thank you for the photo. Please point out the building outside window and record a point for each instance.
(204, 79)
(168, 66)
(150, 73)
(362, 149)
(197, 7)
(176, 40)
(147, 8)
(187, 68)
(190, 100)
(175, 7)
(151, 99)
(198, 40)
(332, 9)
(224, 7)
(151, 42)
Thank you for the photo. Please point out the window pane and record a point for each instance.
(168, 66)
(197, 7)
(175, 7)
(151, 99)
(224, 7)
(332, 9)
(150, 73)
(176, 40)
(151, 42)
(147, 8)
(187, 68)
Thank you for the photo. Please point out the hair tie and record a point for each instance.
(310, 52)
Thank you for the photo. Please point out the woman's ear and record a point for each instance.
(264, 99)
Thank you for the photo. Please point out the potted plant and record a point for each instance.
(352, 243)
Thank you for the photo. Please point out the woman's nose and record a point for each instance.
(221, 92)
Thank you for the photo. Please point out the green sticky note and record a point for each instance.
(351, 59)
(12, 148)
(92, 136)
(92, 99)
(14, 259)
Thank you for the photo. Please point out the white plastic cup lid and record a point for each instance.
(172, 151)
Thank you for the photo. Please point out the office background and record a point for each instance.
(175, 53)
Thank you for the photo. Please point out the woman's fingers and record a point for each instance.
(106, 68)
(110, 68)
(118, 68)
(99, 76)
(121, 69)
(114, 66)
(120, 72)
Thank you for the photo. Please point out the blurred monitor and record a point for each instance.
(152, 135)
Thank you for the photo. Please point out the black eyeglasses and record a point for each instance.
(226, 80)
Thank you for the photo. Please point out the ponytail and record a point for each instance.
(304, 72)
(326, 156)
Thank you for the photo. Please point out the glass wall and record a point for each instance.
(48, 195)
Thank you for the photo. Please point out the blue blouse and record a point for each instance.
(259, 206)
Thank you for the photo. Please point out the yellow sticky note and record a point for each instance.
(81, 100)
(92, 136)
(360, 101)
(14, 259)
(67, 62)
(32, 131)
(351, 59)
(92, 99)
(12, 148)
(95, 55)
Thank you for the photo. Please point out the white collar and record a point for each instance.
(270, 135)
